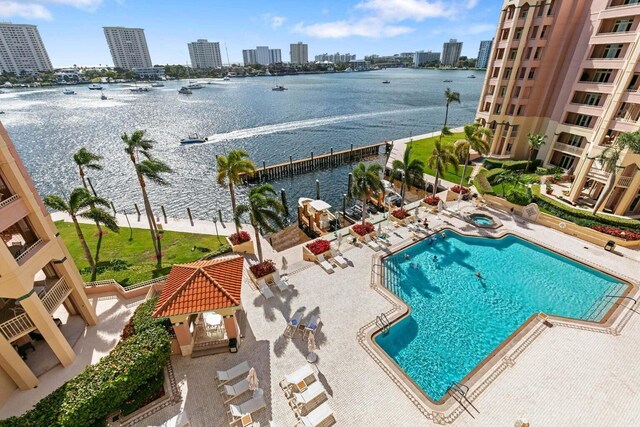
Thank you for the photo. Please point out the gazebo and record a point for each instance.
(201, 299)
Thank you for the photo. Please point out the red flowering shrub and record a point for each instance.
(363, 229)
(262, 269)
(432, 200)
(618, 232)
(400, 213)
(241, 237)
(458, 189)
(319, 246)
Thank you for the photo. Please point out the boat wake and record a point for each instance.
(301, 124)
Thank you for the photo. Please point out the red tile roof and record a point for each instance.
(201, 286)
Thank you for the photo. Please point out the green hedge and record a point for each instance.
(492, 175)
(519, 196)
(512, 165)
(481, 183)
(580, 217)
(104, 387)
(223, 249)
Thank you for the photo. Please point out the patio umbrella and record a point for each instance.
(252, 379)
(311, 346)
(339, 240)
(380, 228)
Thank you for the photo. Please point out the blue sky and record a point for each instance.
(72, 29)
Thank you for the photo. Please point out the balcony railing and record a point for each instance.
(599, 174)
(9, 200)
(566, 148)
(30, 249)
(624, 181)
(56, 295)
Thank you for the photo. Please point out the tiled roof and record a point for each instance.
(201, 286)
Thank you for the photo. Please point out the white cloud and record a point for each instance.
(368, 27)
(400, 10)
(471, 4)
(80, 4)
(480, 28)
(277, 21)
(9, 9)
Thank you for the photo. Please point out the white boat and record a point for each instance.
(69, 92)
(95, 87)
(471, 76)
(226, 78)
(103, 96)
(267, 73)
(195, 85)
(185, 90)
(139, 89)
(157, 84)
(193, 139)
(279, 88)
(348, 70)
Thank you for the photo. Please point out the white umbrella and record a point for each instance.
(380, 228)
(252, 379)
(311, 346)
(339, 240)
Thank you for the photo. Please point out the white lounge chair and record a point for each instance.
(296, 377)
(373, 245)
(338, 259)
(232, 373)
(312, 392)
(248, 407)
(280, 284)
(314, 322)
(292, 326)
(326, 265)
(317, 416)
(235, 390)
(264, 289)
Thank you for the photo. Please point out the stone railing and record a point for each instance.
(566, 148)
(54, 297)
(9, 200)
(135, 290)
(30, 249)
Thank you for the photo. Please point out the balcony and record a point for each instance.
(21, 239)
(568, 149)
(625, 181)
(8, 200)
(599, 175)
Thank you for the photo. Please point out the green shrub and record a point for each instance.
(223, 249)
(145, 393)
(519, 196)
(512, 165)
(542, 171)
(492, 164)
(493, 175)
(481, 183)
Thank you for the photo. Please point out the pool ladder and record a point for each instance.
(459, 393)
(383, 323)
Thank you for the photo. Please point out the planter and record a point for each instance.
(307, 255)
(549, 191)
(242, 248)
(254, 279)
(401, 221)
(358, 236)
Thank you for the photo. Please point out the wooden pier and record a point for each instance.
(310, 164)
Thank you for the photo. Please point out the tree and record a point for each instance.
(406, 169)
(82, 203)
(442, 157)
(449, 97)
(230, 169)
(85, 159)
(151, 169)
(265, 212)
(366, 180)
(535, 141)
(476, 138)
(507, 177)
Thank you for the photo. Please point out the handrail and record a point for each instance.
(9, 200)
(16, 326)
(622, 296)
(383, 323)
(58, 292)
(458, 387)
(30, 249)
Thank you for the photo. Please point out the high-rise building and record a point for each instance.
(568, 69)
(261, 55)
(299, 53)
(21, 49)
(205, 54)
(37, 276)
(451, 52)
(275, 56)
(249, 56)
(421, 58)
(483, 53)
(128, 47)
(336, 57)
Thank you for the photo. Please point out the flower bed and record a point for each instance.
(363, 230)
(239, 238)
(431, 200)
(241, 243)
(400, 214)
(617, 232)
(319, 246)
(459, 190)
(262, 269)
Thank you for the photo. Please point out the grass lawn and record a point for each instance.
(422, 148)
(508, 186)
(130, 262)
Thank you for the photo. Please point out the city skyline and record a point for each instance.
(362, 27)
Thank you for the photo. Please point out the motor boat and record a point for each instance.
(279, 88)
(195, 85)
(95, 87)
(226, 78)
(139, 89)
(471, 76)
(386, 82)
(447, 81)
(185, 90)
(103, 97)
(69, 92)
(157, 84)
(193, 139)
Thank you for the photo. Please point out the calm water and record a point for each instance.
(457, 319)
(316, 113)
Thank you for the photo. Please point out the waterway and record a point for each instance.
(316, 113)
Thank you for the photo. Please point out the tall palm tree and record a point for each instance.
(476, 137)
(449, 97)
(230, 168)
(151, 169)
(407, 169)
(82, 203)
(85, 159)
(535, 141)
(442, 157)
(265, 212)
(366, 181)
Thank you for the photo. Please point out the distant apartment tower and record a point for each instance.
(249, 56)
(261, 55)
(275, 56)
(451, 52)
(421, 58)
(205, 54)
(37, 276)
(568, 69)
(21, 49)
(299, 53)
(128, 47)
(483, 53)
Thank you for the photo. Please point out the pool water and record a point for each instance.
(482, 220)
(457, 319)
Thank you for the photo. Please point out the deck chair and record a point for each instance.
(317, 416)
(314, 322)
(235, 390)
(280, 284)
(248, 407)
(326, 265)
(294, 378)
(224, 377)
(338, 259)
(373, 245)
(292, 326)
(312, 392)
(264, 289)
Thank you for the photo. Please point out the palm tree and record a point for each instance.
(507, 177)
(449, 97)
(442, 157)
(265, 211)
(85, 159)
(230, 168)
(407, 169)
(366, 180)
(535, 141)
(82, 203)
(151, 169)
(476, 138)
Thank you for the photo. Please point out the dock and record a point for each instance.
(310, 164)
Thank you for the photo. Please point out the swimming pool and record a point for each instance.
(457, 318)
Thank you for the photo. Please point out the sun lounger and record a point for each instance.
(293, 324)
(248, 407)
(230, 374)
(312, 392)
(280, 284)
(298, 376)
(373, 245)
(235, 390)
(314, 322)
(338, 259)
(317, 416)
(264, 289)
(326, 265)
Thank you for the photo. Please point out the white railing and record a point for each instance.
(29, 249)
(16, 327)
(108, 282)
(9, 200)
(598, 174)
(58, 292)
(566, 148)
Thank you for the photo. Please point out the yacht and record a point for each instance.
(267, 73)
(95, 86)
(139, 89)
(185, 90)
(69, 92)
(348, 70)
(195, 85)
(226, 78)
(279, 88)
(193, 139)
(386, 82)
(471, 76)
(157, 84)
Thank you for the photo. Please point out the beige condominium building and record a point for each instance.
(568, 69)
(128, 47)
(22, 49)
(37, 276)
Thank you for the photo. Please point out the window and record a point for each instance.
(503, 90)
(491, 90)
(510, 12)
(592, 99)
(622, 25)
(574, 140)
(512, 54)
(499, 53)
(543, 33)
(528, 54)
(511, 109)
(612, 51)
(516, 91)
(514, 130)
(496, 70)
(521, 110)
(538, 53)
(523, 13)
(566, 161)
(601, 76)
(583, 120)
(505, 34)
(522, 73)
(507, 72)
(550, 9)
(518, 34)
(498, 109)
(534, 32)
(487, 107)
(540, 6)
(532, 74)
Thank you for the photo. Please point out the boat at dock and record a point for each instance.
(139, 89)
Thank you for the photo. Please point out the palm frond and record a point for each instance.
(103, 217)
(152, 168)
(56, 202)
(86, 159)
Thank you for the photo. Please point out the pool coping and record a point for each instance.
(502, 357)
